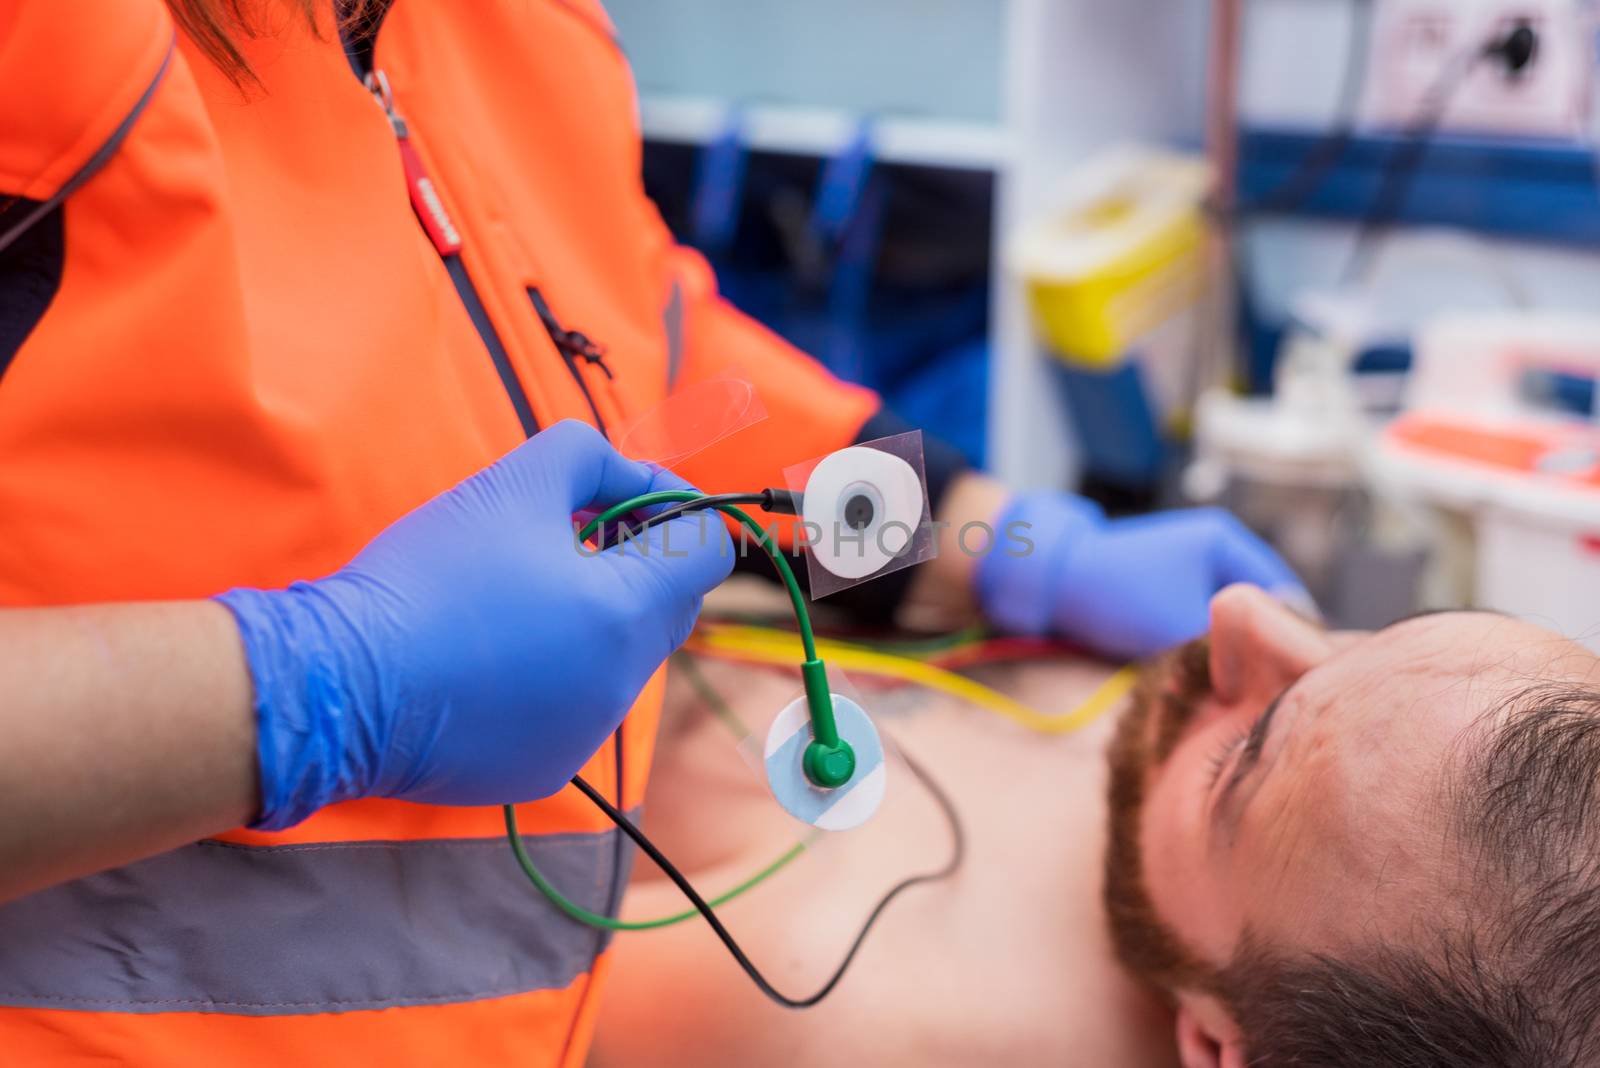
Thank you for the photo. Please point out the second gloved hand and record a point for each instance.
(472, 653)
(1127, 587)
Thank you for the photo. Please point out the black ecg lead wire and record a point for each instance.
(957, 856)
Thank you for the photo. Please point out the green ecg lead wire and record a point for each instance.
(609, 923)
(829, 762)
(803, 620)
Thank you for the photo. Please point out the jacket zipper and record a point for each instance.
(574, 345)
(441, 230)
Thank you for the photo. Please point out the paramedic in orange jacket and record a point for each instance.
(450, 662)
(265, 288)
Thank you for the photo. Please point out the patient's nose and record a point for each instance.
(1258, 646)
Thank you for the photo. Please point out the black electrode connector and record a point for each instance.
(781, 502)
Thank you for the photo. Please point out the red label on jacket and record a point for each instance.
(425, 201)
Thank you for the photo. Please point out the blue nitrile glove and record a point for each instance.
(472, 653)
(1127, 587)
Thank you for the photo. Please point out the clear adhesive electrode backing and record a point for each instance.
(691, 420)
(864, 512)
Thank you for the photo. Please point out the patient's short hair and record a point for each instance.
(1508, 976)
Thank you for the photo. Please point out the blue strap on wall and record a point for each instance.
(718, 191)
(847, 217)
(841, 185)
(1529, 189)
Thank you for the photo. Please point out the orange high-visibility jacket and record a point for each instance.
(242, 330)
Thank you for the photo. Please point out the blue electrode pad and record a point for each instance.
(840, 809)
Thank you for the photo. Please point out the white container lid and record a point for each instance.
(1108, 208)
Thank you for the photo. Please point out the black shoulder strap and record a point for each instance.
(33, 240)
(30, 274)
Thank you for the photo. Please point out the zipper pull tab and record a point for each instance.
(425, 200)
(570, 343)
(592, 353)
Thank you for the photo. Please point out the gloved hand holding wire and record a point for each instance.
(1126, 587)
(473, 653)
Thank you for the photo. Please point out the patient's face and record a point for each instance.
(1284, 780)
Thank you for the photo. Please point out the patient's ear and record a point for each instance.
(1207, 1035)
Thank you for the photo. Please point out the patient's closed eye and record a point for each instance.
(1219, 759)
(1249, 745)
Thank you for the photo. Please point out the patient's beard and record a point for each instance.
(1170, 690)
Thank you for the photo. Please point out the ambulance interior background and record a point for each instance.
(1332, 264)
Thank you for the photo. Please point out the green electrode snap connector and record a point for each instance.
(829, 762)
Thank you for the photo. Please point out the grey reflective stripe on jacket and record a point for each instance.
(325, 927)
(672, 322)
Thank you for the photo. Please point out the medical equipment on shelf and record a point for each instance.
(1115, 278)
(1289, 464)
(1498, 437)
